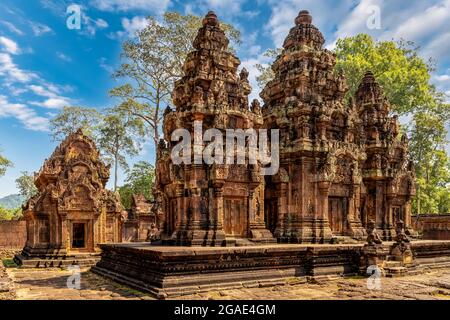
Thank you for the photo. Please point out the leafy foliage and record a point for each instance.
(140, 180)
(10, 214)
(4, 164)
(118, 136)
(25, 184)
(72, 118)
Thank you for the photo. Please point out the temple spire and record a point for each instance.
(303, 18)
(304, 33)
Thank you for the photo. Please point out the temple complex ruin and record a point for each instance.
(342, 163)
(210, 204)
(344, 179)
(72, 212)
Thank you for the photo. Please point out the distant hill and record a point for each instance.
(12, 201)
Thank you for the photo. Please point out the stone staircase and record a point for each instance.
(394, 268)
(83, 260)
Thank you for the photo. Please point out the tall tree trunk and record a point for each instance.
(115, 172)
(116, 163)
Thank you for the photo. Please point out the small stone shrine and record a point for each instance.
(72, 213)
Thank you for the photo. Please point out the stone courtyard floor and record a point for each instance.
(51, 284)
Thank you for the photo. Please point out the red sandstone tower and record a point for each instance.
(217, 204)
(341, 163)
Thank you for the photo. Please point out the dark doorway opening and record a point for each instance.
(78, 235)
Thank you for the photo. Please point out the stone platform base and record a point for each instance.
(32, 258)
(176, 271)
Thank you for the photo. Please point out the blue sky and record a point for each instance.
(44, 65)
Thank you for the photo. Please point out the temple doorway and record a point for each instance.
(337, 211)
(271, 214)
(235, 217)
(79, 235)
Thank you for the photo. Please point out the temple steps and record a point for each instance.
(83, 261)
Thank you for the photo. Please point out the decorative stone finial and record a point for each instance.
(303, 18)
(244, 74)
(369, 77)
(211, 19)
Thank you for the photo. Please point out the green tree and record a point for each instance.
(400, 71)
(153, 61)
(119, 136)
(4, 164)
(265, 71)
(140, 180)
(25, 184)
(405, 79)
(70, 119)
(10, 214)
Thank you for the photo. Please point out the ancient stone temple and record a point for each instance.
(341, 163)
(72, 212)
(388, 175)
(210, 204)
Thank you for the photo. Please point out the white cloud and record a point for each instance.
(12, 28)
(27, 116)
(442, 78)
(356, 21)
(53, 103)
(130, 27)
(52, 93)
(424, 23)
(40, 29)
(101, 23)
(49, 92)
(89, 26)
(63, 57)
(250, 65)
(157, 6)
(9, 45)
(12, 72)
(105, 66)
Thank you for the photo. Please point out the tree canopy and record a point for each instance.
(153, 60)
(4, 164)
(72, 118)
(25, 184)
(140, 180)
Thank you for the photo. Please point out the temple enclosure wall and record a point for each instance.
(433, 226)
(13, 234)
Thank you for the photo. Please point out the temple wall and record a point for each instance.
(433, 226)
(13, 234)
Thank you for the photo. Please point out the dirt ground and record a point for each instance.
(52, 284)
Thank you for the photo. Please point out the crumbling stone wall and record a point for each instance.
(13, 234)
(433, 226)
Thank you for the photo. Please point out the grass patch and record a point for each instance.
(9, 263)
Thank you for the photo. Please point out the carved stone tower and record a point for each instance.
(316, 194)
(210, 204)
(388, 175)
